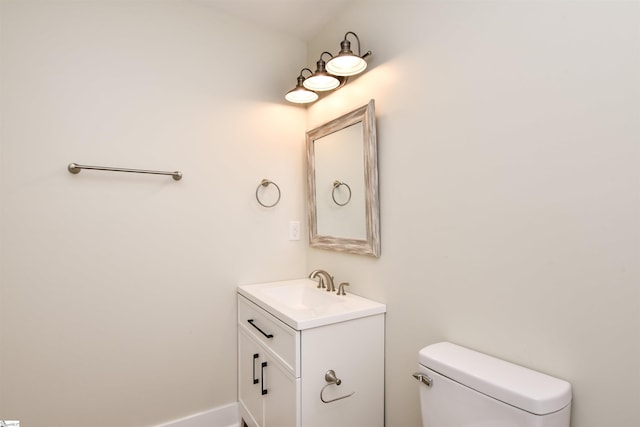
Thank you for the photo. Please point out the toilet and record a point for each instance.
(460, 387)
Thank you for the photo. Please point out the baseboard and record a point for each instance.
(223, 416)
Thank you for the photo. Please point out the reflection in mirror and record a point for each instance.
(340, 208)
(343, 184)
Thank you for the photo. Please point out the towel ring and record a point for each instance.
(265, 183)
(331, 379)
(336, 185)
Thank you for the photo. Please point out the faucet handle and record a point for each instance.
(341, 288)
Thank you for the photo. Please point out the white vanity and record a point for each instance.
(308, 357)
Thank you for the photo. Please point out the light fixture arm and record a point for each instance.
(321, 64)
(302, 78)
(345, 45)
(328, 53)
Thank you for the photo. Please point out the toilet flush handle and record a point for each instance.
(423, 378)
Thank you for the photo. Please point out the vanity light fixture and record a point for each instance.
(345, 63)
(329, 75)
(321, 80)
(300, 94)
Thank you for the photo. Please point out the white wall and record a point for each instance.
(508, 151)
(117, 291)
(508, 139)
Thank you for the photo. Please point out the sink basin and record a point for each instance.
(301, 297)
(301, 305)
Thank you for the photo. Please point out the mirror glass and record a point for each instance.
(343, 184)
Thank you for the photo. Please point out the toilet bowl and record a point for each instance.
(460, 387)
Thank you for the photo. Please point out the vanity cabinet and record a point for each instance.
(268, 357)
(266, 388)
(282, 371)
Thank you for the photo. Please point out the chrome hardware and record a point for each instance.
(423, 378)
(331, 379)
(341, 288)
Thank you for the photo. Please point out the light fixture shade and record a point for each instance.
(346, 65)
(320, 80)
(301, 95)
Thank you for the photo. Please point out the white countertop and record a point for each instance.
(301, 305)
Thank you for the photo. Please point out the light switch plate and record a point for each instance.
(294, 230)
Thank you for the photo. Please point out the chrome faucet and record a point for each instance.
(324, 278)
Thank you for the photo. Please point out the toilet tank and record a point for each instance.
(472, 389)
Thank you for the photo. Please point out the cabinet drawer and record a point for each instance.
(280, 339)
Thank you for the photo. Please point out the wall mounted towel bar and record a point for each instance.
(75, 168)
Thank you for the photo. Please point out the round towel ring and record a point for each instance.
(336, 185)
(265, 183)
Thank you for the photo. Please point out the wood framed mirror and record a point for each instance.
(342, 184)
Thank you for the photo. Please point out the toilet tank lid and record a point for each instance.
(515, 385)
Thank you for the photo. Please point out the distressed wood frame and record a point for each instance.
(370, 246)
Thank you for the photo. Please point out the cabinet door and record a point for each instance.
(281, 401)
(250, 356)
(354, 350)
